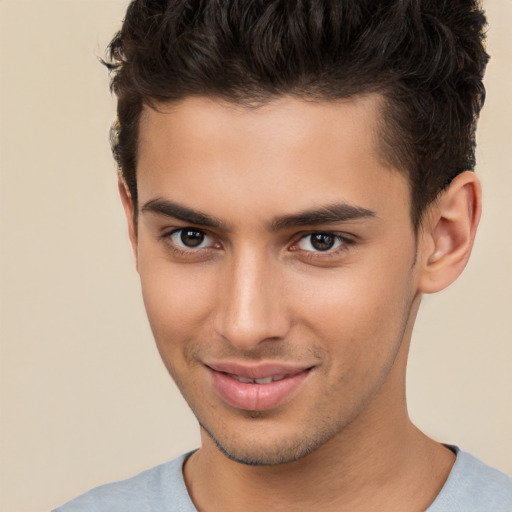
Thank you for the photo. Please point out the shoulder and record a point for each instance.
(472, 486)
(159, 488)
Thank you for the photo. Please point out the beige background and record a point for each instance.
(84, 397)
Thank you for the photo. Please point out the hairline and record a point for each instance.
(385, 147)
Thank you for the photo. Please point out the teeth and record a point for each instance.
(243, 379)
(265, 380)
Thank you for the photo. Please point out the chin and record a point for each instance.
(273, 452)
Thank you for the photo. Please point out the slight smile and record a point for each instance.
(256, 388)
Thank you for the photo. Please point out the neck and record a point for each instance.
(394, 469)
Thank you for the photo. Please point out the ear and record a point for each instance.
(448, 232)
(129, 211)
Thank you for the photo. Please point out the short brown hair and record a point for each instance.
(426, 57)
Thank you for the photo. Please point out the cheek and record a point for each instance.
(178, 300)
(354, 299)
(360, 310)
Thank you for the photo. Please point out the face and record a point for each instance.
(276, 255)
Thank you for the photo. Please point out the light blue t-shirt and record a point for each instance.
(472, 486)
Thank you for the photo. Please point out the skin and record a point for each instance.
(256, 290)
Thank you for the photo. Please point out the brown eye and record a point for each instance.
(320, 242)
(191, 237)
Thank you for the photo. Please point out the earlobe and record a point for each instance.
(448, 233)
(129, 211)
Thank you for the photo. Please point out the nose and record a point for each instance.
(252, 303)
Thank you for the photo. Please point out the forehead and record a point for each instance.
(289, 152)
(284, 121)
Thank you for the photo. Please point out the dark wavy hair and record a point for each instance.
(425, 57)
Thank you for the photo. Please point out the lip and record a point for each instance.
(254, 396)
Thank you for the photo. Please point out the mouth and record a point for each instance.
(264, 380)
(256, 388)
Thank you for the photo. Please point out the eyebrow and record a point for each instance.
(180, 212)
(329, 214)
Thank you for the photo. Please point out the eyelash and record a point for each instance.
(344, 245)
(191, 252)
(344, 241)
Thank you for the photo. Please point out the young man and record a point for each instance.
(295, 175)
